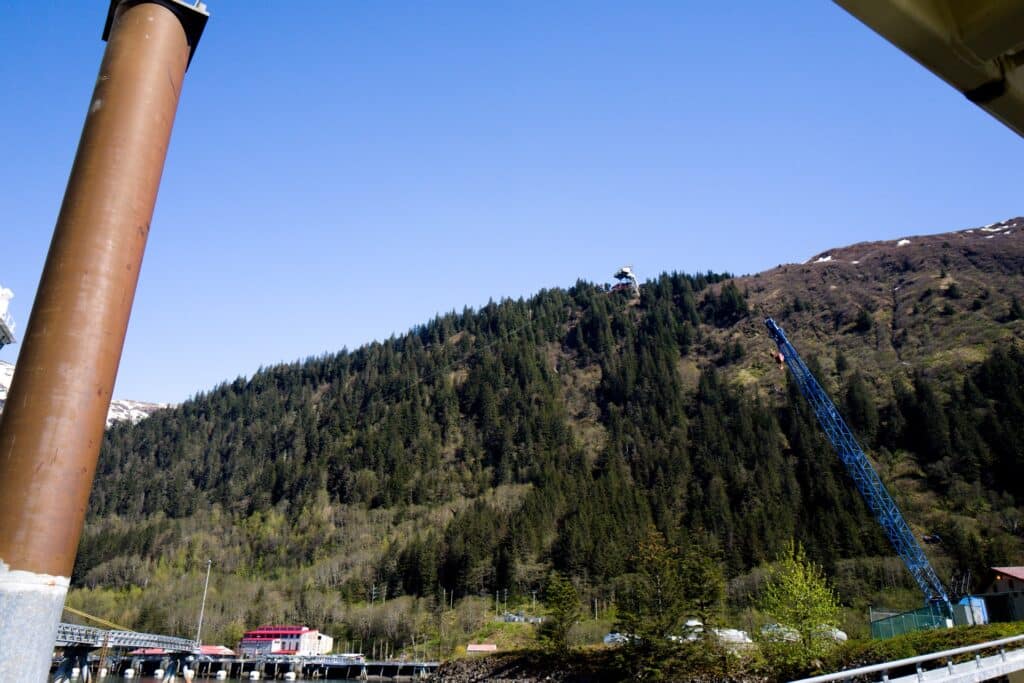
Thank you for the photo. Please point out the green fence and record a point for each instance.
(887, 625)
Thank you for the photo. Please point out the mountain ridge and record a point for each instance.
(121, 410)
(481, 450)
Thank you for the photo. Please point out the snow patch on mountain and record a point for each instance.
(1001, 228)
(121, 410)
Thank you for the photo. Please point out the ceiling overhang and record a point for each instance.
(977, 46)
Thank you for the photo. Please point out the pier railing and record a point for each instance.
(75, 635)
(977, 669)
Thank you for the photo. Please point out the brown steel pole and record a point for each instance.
(56, 410)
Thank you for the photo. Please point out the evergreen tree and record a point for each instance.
(702, 582)
(563, 605)
(1016, 310)
(864, 321)
(859, 409)
(655, 604)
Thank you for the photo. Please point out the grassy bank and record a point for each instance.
(706, 662)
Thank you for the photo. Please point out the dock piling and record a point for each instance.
(55, 414)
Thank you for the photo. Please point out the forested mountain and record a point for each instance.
(483, 448)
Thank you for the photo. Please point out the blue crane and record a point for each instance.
(864, 475)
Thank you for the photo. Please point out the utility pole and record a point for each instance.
(56, 410)
(202, 608)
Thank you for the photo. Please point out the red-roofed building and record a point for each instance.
(285, 640)
(1007, 578)
(1004, 593)
(477, 648)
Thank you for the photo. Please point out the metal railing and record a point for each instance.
(927, 617)
(885, 667)
(73, 634)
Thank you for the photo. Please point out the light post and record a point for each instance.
(202, 608)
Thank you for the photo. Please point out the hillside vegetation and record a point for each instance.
(483, 449)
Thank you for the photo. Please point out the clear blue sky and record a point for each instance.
(340, 171)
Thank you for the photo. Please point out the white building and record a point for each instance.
(285, 640)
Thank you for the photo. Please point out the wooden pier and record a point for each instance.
(274, 667)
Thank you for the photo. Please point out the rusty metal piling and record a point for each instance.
(55, 413)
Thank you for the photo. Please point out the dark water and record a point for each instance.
(115, 678)
(179, 679)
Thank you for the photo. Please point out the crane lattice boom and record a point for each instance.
(864, 475)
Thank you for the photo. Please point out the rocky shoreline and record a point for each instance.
(538, 668)
(513, 668)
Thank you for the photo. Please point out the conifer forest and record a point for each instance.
(469, 458)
